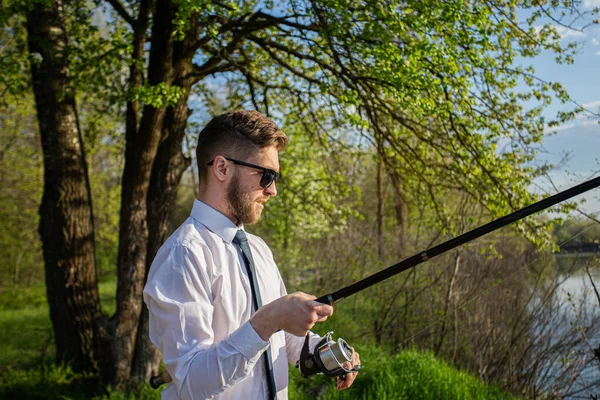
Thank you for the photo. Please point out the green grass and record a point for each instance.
(25, 327)
(407, 375)
(27, 370)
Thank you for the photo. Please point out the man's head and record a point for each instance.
(238, 161)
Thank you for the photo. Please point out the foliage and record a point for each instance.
(431, 86)
(577, 230)
(20, 192)
(159, 96)
(14, 62)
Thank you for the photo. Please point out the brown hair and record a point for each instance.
(236, 134)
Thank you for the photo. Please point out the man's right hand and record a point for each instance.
(295, 313)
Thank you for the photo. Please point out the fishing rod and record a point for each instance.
(320, 360)
(428, 254)
(329, 356)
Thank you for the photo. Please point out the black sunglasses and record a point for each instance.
(268, 177)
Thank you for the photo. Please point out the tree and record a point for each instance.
(66, 223)
(431, 85)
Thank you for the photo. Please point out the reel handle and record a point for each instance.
(158, 380)
(355, 369)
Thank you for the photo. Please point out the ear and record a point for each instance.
(220, 168)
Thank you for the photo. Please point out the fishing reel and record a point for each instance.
(328, 358)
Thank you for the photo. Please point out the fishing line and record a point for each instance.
(484, 292)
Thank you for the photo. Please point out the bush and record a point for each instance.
(406, 375)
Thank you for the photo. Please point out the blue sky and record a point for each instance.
(578, 140)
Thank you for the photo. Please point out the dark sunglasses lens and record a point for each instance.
(267, 179)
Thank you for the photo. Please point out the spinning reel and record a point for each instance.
(328, 358)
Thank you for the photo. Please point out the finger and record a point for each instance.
(321, 318)
(348, 379)
(322, 309)
(344, 383)
(306, 296)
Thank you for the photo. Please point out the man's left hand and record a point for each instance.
(346, 383)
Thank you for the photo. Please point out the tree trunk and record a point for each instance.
(380, 207)
(401, 211)
(66, 220)
(169, 166)
(121, 332)
(449, 295)
(17, 267)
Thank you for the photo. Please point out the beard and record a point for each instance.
(243, 206)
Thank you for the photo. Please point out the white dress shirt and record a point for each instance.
(199, 298)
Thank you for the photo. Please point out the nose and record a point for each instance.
(272, 190)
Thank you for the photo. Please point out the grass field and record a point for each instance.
(27, 370)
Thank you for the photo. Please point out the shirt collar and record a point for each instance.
(214, 221)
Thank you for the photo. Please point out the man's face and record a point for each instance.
(245, 195)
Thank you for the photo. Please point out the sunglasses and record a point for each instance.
(268, 177)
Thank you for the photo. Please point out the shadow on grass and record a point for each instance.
(50, 381)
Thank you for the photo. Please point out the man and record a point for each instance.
(204, 286)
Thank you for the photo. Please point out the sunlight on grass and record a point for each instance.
(407, 375)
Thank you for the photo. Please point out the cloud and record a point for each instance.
(591, 3)
(566, 33)
(579, 123)
(592, 105)
(595, 42)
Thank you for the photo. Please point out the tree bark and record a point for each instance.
(401, 211)
(66, 220)
(169, 166)
(380, 207)
(120, 332)
(449, 295)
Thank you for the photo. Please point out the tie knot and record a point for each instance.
(240, 237)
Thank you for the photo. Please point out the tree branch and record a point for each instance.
(587, 270)
(118, 7)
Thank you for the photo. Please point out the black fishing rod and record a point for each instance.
(457, 241)
(330, 357)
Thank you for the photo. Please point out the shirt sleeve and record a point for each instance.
(178, 296)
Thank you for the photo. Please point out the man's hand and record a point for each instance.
(347, 382)
(295, 313)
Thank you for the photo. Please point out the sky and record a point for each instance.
(578, 140)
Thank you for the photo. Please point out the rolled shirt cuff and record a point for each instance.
(248, 342)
